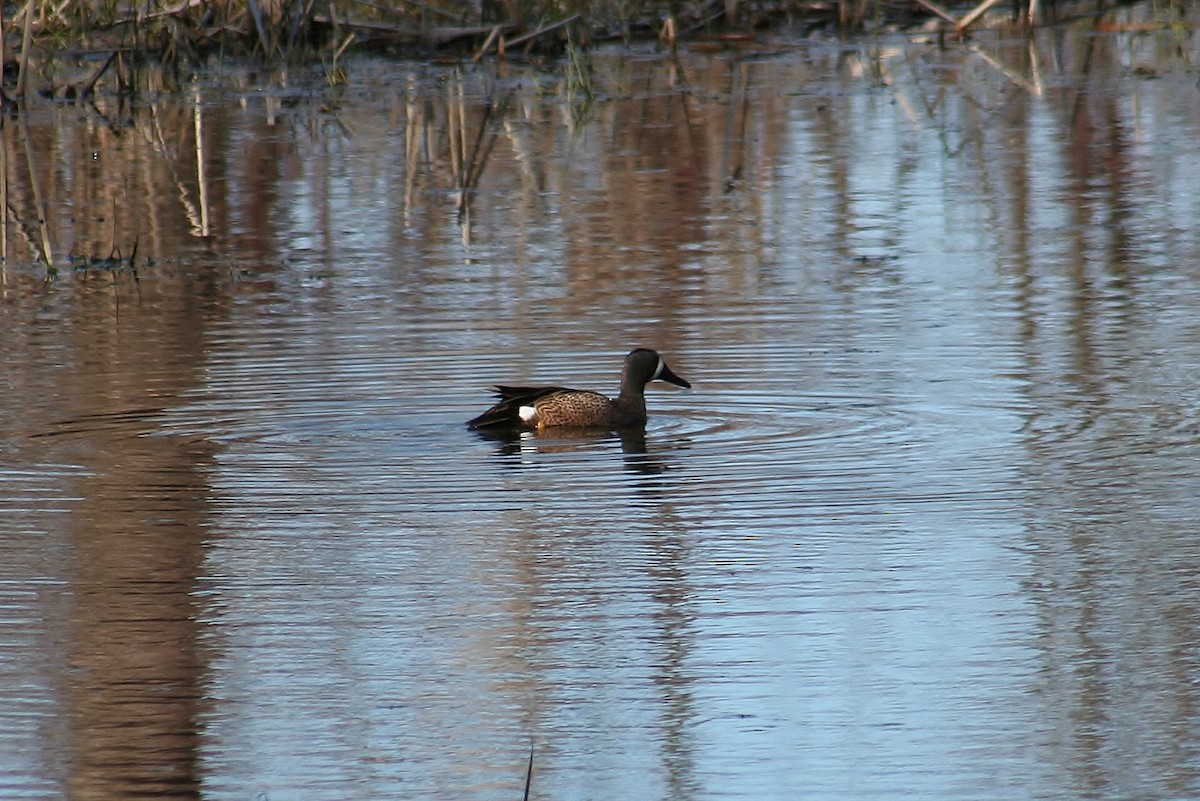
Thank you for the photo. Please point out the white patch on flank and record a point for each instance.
(527, 413)
(661, 365)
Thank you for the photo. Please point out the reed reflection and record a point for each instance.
(134, 664)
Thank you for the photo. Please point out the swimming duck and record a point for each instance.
(546, 407)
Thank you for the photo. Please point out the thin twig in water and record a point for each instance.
(529, 773)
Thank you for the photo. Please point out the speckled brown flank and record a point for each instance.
(582, 408)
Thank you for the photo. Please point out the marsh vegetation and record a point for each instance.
(69, 49)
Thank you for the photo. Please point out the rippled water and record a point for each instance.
(923, 528)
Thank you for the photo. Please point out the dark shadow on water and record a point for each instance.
(132, 421)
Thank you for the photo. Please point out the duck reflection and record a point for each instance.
(642, 455)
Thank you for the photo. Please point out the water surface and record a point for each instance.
(923, 528)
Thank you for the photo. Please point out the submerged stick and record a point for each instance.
(90, 84)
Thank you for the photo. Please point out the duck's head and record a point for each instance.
(644, 365)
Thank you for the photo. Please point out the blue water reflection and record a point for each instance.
(923, 528)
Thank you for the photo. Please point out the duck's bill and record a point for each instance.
(666, 375)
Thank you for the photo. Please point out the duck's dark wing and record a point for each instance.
(505, 413)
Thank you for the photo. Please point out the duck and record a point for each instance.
(553, 407)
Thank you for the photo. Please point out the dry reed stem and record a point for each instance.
(457, 119)
(36, 186)
(667, 34)
(1034, 87)
(937, 10)
(487, 44)
(975, 14)
(3, 50)
(480, 153)
(554, 26)
(201, 171)
(174, 11)
(26, 44)
(415, 136)
(4, 215)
